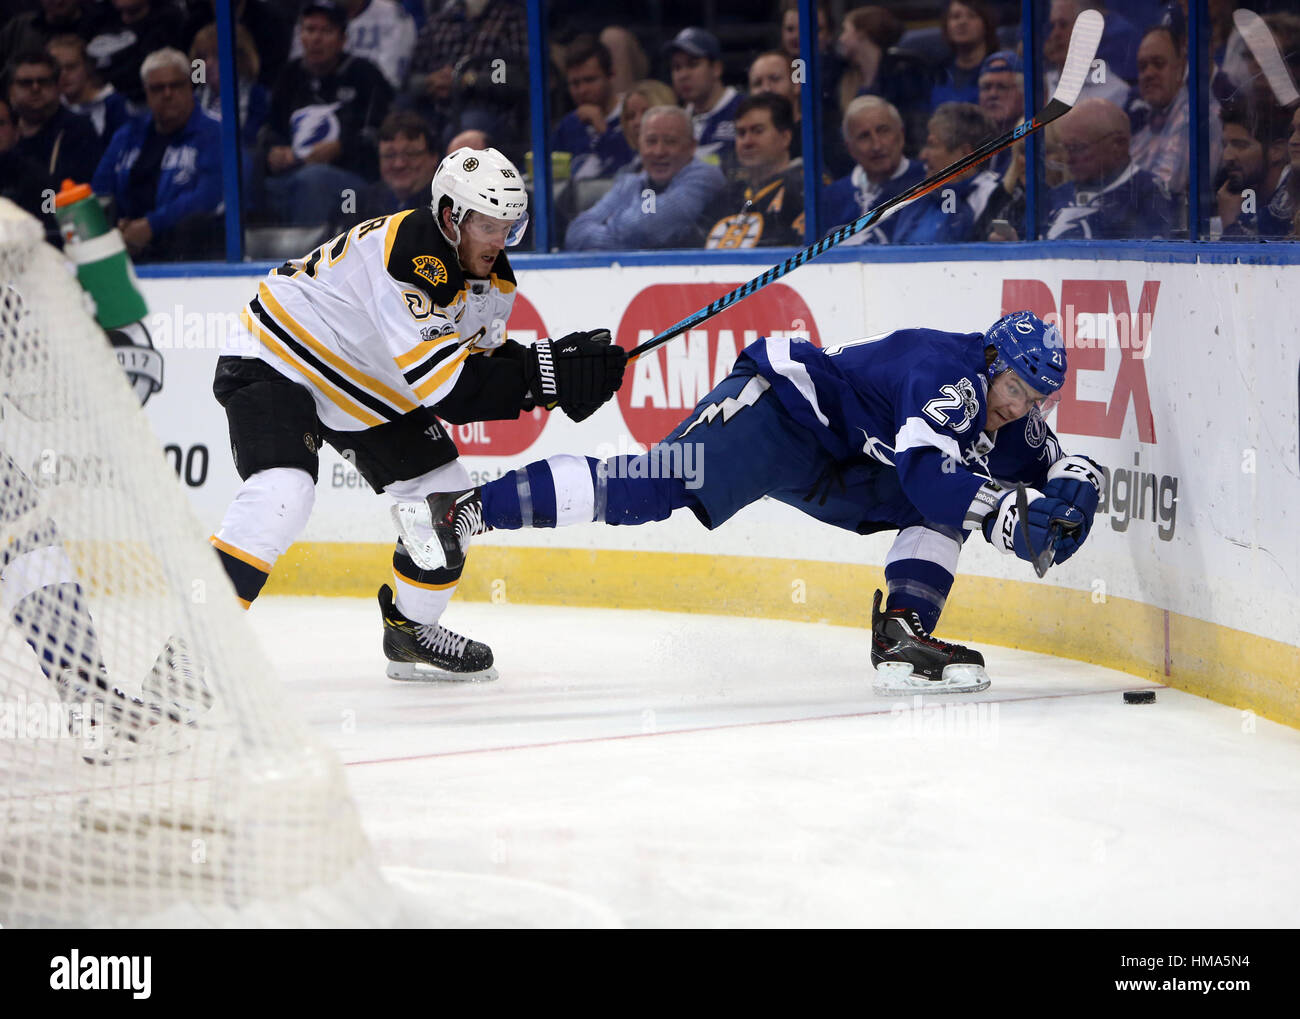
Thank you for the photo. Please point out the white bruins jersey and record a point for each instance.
(376, 321)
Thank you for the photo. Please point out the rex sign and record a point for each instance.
(661, 386)
(1102, 333)
(506, 438)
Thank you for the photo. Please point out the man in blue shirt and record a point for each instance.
(696, 61)
(163, 168)
(948, 214)
(922, 431)
(1107, 197)
(591, 133)
(873, 132)
(661, 207)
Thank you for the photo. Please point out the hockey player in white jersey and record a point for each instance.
(365, 344)
(925, 432)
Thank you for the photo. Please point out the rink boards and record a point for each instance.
(1184, 385)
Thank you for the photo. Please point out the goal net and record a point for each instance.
(189, 795)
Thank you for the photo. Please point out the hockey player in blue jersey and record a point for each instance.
(925, 432)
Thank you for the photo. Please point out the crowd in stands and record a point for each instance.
(345, 108)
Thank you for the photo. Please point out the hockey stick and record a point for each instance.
(1042, 560)
(1263, 47)
(1083, 47)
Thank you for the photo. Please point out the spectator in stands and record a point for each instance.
(950, 214)
(873, 132)
(408, 159)
(763, 206)
(272, 29)
(1002, 98)
(970, 29)
(163, 168)
(254, 98)
(1290, 182)
(22, 181)
(875, 66)
(471, 139)
(379, 30)
(1160, 145)
(830, 68)
(326, 108)
(1102, 83)
(642, 96)
(628, 59)
(695, 58)
(790, 29)
(1107, 196)
(82, 90)
(64, 144)
(660, 207)
(591, 132)
(1252, 201)
(131, 31)
(32, 30)
(1002, 90)
(772, 72)
(470, 70)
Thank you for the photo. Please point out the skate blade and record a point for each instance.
(896, 679)
(418, 672)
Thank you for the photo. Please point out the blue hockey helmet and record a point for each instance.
(1031, 348)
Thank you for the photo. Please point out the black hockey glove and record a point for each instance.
(579, 372)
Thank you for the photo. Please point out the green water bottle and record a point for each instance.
(104, 268)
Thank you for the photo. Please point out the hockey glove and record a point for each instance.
(1006, 532)
(1076, 480)
(579, 372)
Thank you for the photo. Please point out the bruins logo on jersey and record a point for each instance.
(742, 230)
(431, 268)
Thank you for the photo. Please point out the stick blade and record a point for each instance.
(1085, 37)
(1263, 47)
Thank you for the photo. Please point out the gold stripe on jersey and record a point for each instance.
(287, 321)
(240, 554)
(431, 384)
(326, 390)
(390, 235)
(505, 286)
(422, 350)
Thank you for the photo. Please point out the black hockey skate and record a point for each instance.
(430, 653)
(456, 517)
(908, 660)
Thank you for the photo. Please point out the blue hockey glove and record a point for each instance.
(1006, 532)
(1076, 480)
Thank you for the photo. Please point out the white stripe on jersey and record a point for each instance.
(915, 433)
(778, 356)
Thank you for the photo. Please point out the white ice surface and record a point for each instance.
(650, 769)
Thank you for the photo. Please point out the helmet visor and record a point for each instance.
(489, 229)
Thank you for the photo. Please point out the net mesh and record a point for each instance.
(203, 802)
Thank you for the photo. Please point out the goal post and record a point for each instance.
(203, 801)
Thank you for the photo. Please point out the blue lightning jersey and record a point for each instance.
(916, 400)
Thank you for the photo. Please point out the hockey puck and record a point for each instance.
(1139, 696)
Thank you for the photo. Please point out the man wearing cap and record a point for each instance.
(696, 62)
(1002, 96)
(326, 108)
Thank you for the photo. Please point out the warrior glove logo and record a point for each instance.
(430, 268)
